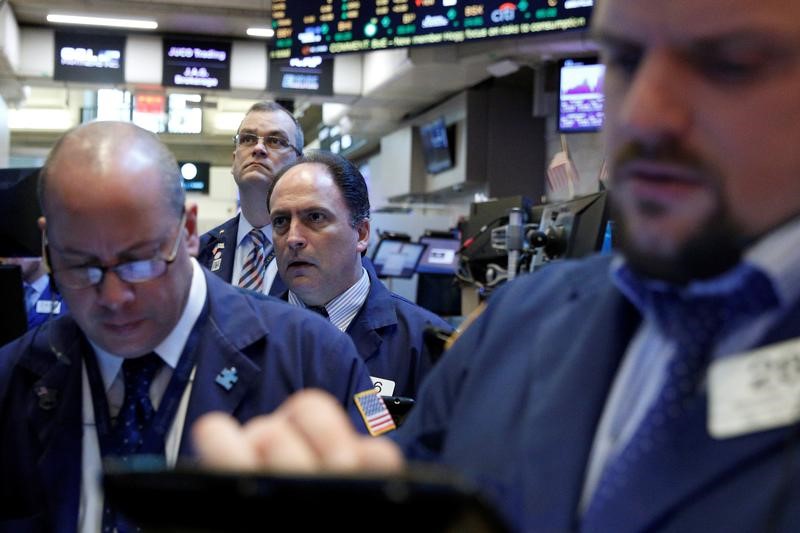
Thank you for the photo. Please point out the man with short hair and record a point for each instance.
(320, 217)
(656, 390)
(240, 250)
(151, 342)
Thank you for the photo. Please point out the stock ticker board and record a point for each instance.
(329, 27)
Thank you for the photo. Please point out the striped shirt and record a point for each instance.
(344, 308)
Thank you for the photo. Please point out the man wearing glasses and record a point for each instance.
(240, 251)
(151, 342)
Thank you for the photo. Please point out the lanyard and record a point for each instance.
(154, 435)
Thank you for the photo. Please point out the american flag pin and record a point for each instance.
(373, 410)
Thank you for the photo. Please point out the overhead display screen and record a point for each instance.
(196, 64)
(308, 75)
(88, 57)
(328, 27)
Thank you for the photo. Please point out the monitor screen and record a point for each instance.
(436, 146)
(308, 75)
(88, 57)
(580, 96)
(440, 256)
(322, 27)
(195, 175)
(193, 64)
(397, 259)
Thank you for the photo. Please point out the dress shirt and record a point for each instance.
(243, 248)
(170, 350)
(643, 367)
(344, 308)
(38, 286)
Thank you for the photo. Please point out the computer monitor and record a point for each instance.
(13, 318)
(396, 258)
(440, 256)
(19, 231)
(575, 228)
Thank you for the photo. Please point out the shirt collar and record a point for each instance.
(40, 284)
(245, 227)
(343, 308)
(776, 255)
(171, 348)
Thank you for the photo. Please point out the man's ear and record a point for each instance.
(362, 227)
(192, 237)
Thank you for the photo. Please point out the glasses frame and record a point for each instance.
(263, 140)
(168, 260)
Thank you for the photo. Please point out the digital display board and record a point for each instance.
(580, 95)
(307, 75)
(327, 27)
(87, 57)
(194, 64)
(195, 175)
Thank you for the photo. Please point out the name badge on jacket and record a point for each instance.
(385, 387)
(47, 307)
(754, 391)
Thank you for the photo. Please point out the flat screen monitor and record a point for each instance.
(196, 64)
(89, 57)
(397, 259)
(577, 227)
(580, 95)
(437, 146)
(195, 175)
(13, 318)
(19, 205)
(440, 256)
(307, 75)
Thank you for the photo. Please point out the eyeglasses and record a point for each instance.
(278, 144)
(83, 277)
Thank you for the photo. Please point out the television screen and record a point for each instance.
(195, 175)
(397, 259)
(436, 146)
(308, 75)
(194, 64)
(19, 229)
(88, 57)
(322, 27)
(580, 96)
(440, 257)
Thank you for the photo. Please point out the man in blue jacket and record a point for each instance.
(152, 340)
(42, 301)
(319, 207)
(658, 390)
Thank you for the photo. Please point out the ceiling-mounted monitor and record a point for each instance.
(89, 57)
(320, 27)
(196, 64)
(580, 95)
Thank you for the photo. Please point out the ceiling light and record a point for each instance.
(138, 24)
(261, 32)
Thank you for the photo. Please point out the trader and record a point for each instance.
(151, 341)
(658, 390)
(320, 217)
(240, 250)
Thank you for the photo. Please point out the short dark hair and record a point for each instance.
(271, 106)
(345, 175)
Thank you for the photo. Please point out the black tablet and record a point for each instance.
(191, 500)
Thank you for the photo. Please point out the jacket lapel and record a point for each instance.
(585, 359)
(220, 357)
(221, 243)
(55, 413)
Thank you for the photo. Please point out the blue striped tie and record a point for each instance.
(255, 268)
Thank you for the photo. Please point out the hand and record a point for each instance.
(309, 432)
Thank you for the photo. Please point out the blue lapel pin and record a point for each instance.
(227, 378)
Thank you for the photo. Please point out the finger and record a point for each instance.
(319, 417)
(278, 446)
(380, 455)
(220, 443)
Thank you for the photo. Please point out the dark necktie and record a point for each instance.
(319, 309)
(132, 422)
(255, 267)
(694, 324)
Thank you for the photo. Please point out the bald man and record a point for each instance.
(152, 340)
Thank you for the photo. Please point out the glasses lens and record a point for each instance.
(247, 139)
(78, 278)
(139, 271)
